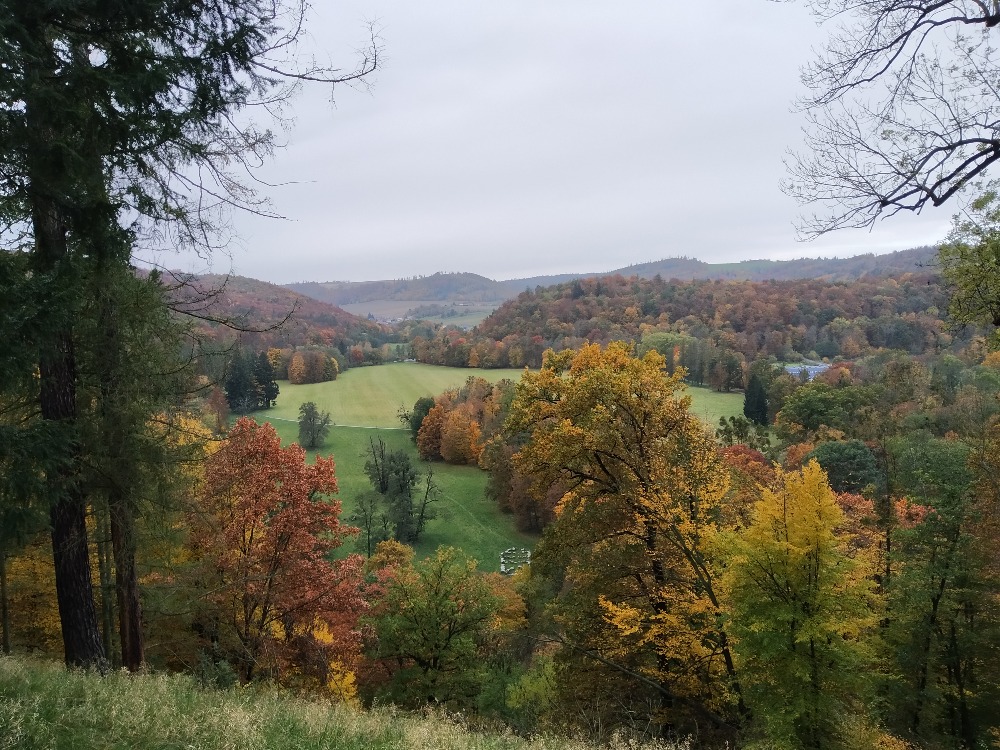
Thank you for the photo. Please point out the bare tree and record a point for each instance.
(903, 110)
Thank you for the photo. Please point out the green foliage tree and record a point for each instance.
(850, 465)
(801, 611)
(970, 264)
(314, 426)
(737, 430)
(415, 417)
(394, 480)
(263, 374)
(816, 405)
(943, 600)
(242, 389)
(431, 625)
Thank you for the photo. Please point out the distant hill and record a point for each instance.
(708, 325)
(472, 288)
(269, 314)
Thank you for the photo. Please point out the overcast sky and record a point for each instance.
(529, 137)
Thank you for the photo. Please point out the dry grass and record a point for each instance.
(42, 706)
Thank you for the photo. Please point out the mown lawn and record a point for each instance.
(465, 517)
(372, 396)
(708, 405)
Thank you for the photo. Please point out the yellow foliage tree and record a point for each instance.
(633, 535)
(801, 609)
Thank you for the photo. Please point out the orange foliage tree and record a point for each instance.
(266, 529)
(429, 436)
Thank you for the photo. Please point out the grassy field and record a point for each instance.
(44, 707)
(364, 402)
(709, 405)
(466, 518)
(372, 396)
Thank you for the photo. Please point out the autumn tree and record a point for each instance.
(429, 434)
(268, 529)
(314, 426)
(632, 536)
(800, 612)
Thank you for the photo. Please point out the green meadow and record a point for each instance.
(708, 405)
(364, 403)
(372, 396)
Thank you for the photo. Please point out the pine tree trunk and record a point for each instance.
(126, 583)
(4, 603)
(107, 584)
(47, 176)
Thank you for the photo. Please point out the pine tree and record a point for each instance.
(755, 401)
(263, 374)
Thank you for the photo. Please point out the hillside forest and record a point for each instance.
(818, 570)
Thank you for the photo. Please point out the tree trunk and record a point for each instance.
(47, 175)
(77, 613)
(104, 569)
(126, 583)
(4, 603)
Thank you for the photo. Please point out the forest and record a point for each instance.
(818, 572)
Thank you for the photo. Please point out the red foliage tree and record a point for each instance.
(268, 527)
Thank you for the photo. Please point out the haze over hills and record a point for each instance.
(473, 288)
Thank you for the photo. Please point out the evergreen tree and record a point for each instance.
(242, 389)
(267, 388)
(755, 400)
(112, 107)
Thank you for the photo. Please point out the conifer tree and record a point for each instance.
(111, 109)
(755, 400)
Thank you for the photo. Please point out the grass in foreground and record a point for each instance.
(43, 706)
